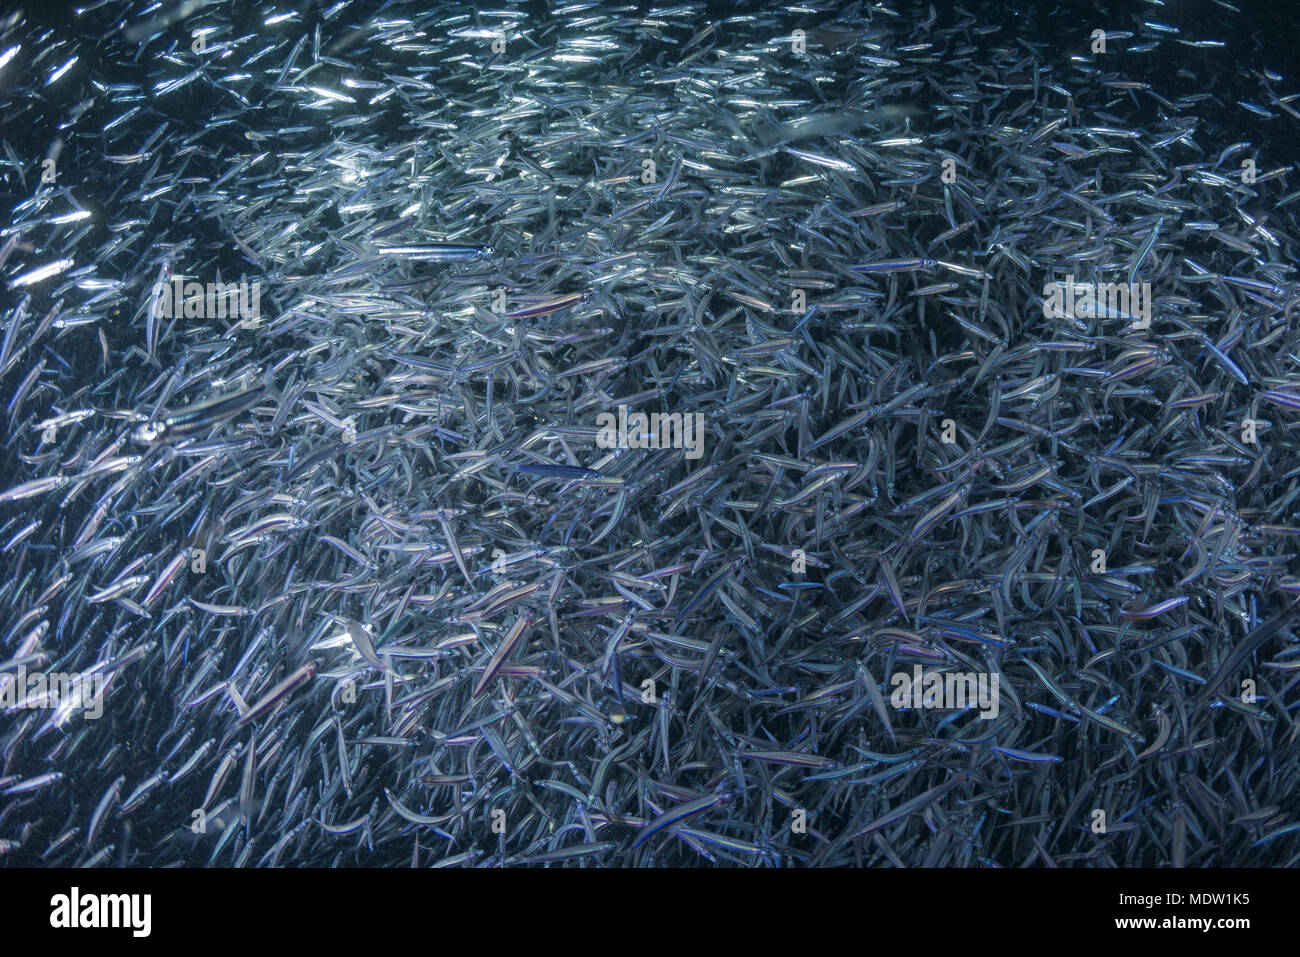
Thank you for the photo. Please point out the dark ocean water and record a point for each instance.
(357, 579)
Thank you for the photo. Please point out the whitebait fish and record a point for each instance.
(585, 435)
(437, 252)
(197, 418)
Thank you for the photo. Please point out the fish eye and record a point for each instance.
(147, 433)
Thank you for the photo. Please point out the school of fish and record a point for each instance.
(358, 578)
